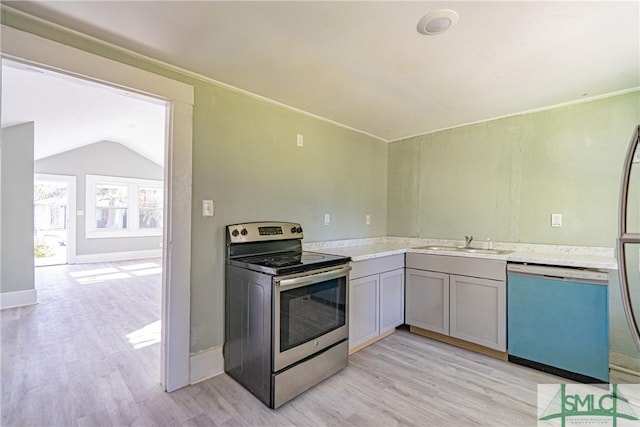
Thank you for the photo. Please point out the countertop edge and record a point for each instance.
(372, 251)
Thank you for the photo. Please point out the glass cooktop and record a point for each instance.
(289, 262)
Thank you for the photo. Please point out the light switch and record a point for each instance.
(300, 140)
(367, 219)
(556, 220)
(327, 219)
(208, 208)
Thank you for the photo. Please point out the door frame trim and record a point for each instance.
(36, 51)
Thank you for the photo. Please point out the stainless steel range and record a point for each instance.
(286, 311)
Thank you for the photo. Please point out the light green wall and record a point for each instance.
(246, 159)
(502, 179)
(16, 192)
(250, 165)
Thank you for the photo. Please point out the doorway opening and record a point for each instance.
(53, 219)
(102, 244)
(30, 49)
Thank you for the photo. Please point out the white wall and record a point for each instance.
(110, 159)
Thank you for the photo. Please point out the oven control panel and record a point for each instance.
(263, 231)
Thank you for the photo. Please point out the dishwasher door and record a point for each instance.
(558, 321)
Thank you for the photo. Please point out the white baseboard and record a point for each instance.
(206, 364)
(116, 256)
(627, 371)
(18, 298)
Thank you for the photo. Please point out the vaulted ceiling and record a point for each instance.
(69, 113)
(364, 65)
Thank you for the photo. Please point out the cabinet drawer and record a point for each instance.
(376, 266)
(463, 266)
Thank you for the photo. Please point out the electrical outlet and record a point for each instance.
(300, 140)
(327, 219)
(208, 208)
(367, 219)
(556, 220)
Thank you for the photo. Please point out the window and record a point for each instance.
(123, 207)
(111, 206)
(150, 207)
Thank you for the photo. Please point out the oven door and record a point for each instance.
(310, 313)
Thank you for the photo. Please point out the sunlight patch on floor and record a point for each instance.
(102, 278)
(141, 266)
(145, 336)
(147, 272)
(114, 273)
(95, 272)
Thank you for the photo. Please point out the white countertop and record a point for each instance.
(572, 256)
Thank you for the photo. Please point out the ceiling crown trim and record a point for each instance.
(535, 110)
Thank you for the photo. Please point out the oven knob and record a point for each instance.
(299, 230)
(244, 232)
(316, 343)
(293, 229)
(235, 233)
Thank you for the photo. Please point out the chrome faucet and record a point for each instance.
(468, 240)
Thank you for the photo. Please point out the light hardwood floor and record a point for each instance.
(68, 362)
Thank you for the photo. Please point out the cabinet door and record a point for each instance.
(363, 309)
(478, 311)
(391, 299)
(427, 300)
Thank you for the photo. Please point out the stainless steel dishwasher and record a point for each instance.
(558, 320)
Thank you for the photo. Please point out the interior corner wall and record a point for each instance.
(16, 219)
(502, 179)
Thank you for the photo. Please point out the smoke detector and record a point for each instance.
(437, 22)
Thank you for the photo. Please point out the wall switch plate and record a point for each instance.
(300, 140)
(556, 220)
(208, 208)
(367, 219)
(327, 219)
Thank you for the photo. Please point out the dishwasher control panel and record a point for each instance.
(559, 273)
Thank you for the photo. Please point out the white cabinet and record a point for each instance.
(478, 311)
(460, 297)
(363, 309)
(391, 300)
(376, 299)
(428, 300)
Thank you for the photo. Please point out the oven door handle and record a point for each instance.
(296, 282)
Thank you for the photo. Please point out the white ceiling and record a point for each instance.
(70, 113)
(364, 65)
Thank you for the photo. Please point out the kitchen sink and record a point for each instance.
(439, 248)
(484, 251)
(469, 250)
